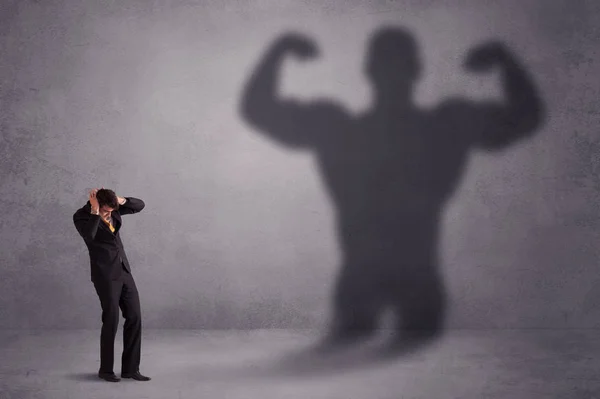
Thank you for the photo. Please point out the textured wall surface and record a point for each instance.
(239, 231)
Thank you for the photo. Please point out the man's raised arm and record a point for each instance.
(86, 224)
(130, 205)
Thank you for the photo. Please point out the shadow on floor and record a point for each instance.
(313, 360)
(323, 360)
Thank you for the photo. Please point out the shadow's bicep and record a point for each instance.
(499, 126)
(295, 124)
(485, 125)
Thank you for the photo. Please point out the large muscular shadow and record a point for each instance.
(390, 172)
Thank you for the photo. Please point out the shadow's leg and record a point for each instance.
(420, 300)
(357, 304)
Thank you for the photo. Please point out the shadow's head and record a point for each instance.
(393, 63)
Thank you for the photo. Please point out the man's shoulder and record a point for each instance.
(83, 210)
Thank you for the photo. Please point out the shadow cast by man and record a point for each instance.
(390, 172)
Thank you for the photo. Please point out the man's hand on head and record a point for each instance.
(121, 200)
(94, 202)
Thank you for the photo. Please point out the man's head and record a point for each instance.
(107, 200)
(393, 63)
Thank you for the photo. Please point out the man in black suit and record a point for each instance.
(98, 222)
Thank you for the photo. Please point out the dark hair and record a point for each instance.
(107, 197)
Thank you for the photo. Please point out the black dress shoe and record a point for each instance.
(136, 376)
(110, 377)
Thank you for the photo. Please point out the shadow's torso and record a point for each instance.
(389, 177)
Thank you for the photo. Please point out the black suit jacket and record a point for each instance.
(105, 247)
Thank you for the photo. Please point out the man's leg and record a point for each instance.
(109, 293)
(132, 329)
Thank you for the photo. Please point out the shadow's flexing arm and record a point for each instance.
(496, 125)
(286, 121)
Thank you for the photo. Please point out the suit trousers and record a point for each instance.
(114, 294)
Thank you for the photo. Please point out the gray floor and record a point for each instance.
(274, 364)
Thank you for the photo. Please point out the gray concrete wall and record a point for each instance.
(240, 232)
